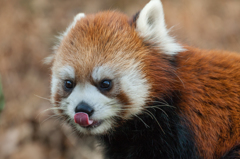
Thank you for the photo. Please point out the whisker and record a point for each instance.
(50, 117)
(53, 108)
(148, 114)
(142, 121)
(42, 97)
(161, 106)
(155, 120)
(157, 102)
(63, 121)
(48, 99)
(178, 78)
(159, 109)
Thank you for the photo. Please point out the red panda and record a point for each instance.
(142, 94)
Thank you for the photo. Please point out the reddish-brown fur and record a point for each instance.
(87, 48)
(209, 86)
(207, 82)
(93, 49)
(210, 98)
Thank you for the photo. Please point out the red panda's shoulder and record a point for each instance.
(210, 90)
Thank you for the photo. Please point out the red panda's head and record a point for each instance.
(108, 67)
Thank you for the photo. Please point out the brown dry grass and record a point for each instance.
(27, 30)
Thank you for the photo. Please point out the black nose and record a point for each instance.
(85, 108)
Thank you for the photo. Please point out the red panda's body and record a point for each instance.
(204, 88)
(210, 99)
(143, 95)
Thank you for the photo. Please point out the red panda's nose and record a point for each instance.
(85, 108)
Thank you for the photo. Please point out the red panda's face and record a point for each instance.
(107, 67)
(97, 74)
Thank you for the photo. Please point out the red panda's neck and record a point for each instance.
(160, 71)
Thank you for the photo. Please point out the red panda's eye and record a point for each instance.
(68, 85)
(105, 85)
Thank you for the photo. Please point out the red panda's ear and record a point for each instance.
(150, 25)
(49, 59)
(62, 35)
(76, 18)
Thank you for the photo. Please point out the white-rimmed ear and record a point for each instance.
(78, 17)
(60, 37)
(151, 27)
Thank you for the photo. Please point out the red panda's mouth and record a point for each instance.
(94, 124)
(83, 120)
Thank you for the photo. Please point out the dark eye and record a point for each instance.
(105, 85)
(68, 85)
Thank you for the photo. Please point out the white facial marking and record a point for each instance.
(132, 83)
(103, 72)
(136, 87)
(89, 94)
(151, 26)
(54, 88)
(65, 72)
(104, 107)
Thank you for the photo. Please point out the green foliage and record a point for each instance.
(1, 97)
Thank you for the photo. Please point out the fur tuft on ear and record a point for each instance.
(48, 60)
(151, 27)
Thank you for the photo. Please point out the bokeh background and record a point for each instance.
(27, 34)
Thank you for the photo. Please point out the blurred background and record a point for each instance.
(27, 34)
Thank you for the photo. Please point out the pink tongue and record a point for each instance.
(82, 119)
